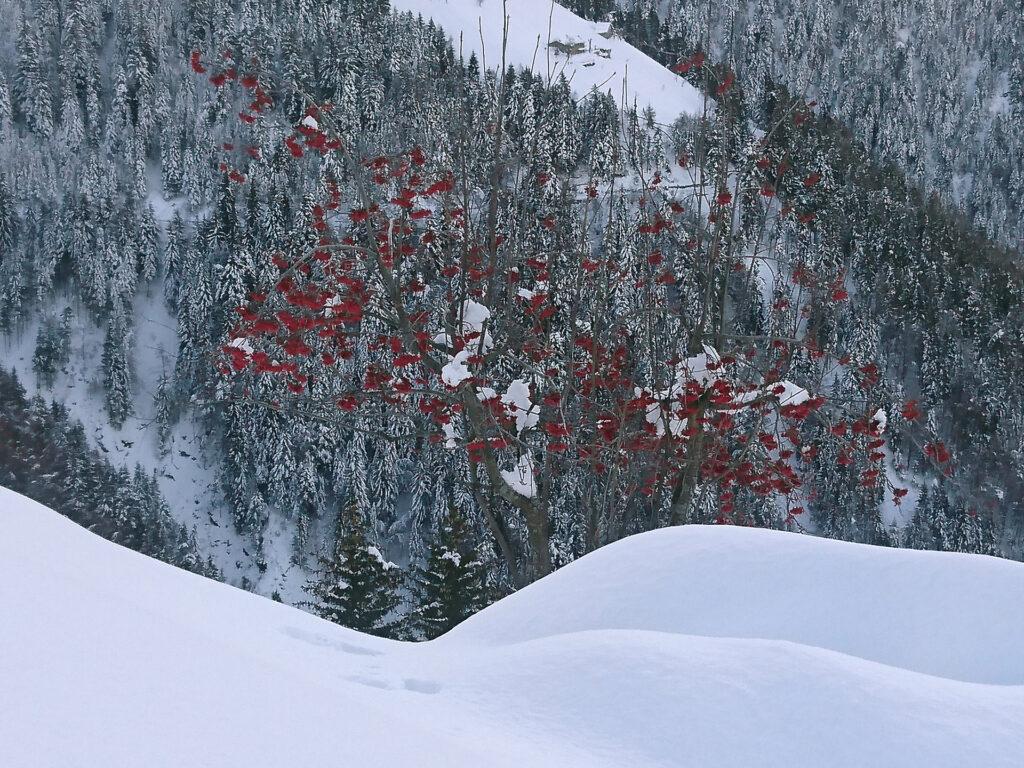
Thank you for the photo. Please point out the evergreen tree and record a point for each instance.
(53, 349)
(6, 108)
(451, 586)
(32, 82)
(163, 400)
(117, 382)
(355, 586)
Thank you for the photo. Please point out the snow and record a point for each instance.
(243, 344)
(330, 304)
(702, 368)
(691, 369)
(696, 368)
(880, 420)
(610, 65)
(791, 394)
(474, 319)
(451, 436)
(486, 393)
(453, 556)
(521, 478)
(375, 553)
(455, 371)
(517, 398)
(474, 315)
(714, 646)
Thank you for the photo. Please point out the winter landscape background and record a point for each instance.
(386, 311)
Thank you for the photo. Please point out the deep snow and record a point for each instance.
(610, 65)
(684, 647)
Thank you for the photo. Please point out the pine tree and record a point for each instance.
(53, 350)
(116, 368)
(451, 586)
(148, 249)
(8, 218)
(355, 586)
(174, 257)
(32, 81)
(6, 108)
(163, 402)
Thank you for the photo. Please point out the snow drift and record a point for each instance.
(685, 647)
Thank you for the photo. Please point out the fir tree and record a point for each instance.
(53, 349)
(355, 586)
(451, 586)
(32, 81)
(116, 368)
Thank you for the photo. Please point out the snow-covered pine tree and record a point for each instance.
(117, 378)
(355, 585)
(451, 585)
(53, 350)
(32, 83)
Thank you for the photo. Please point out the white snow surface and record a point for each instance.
(517, 398)
(455, 371)
(474, 315)
(520, 478)
(791, 394)
(693, 646)
(610, 65)
(881, 420)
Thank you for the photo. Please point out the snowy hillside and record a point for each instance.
(551, 40)
(187, 471)
(109, 659)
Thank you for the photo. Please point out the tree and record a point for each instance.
(165, 407)
(536, 351)
(175, 253)
(355, 585)
(116, 363)
(6, 108)
(32, 83)
(53, 348)
(148, 249)
(451, 586)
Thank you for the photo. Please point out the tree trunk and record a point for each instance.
(538, 526)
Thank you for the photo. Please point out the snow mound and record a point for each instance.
(110, 659)
(553, 41)
(944, 614)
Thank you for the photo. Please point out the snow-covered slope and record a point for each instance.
(925, 611)
(188, 472)
(545, 36)
(109, 659)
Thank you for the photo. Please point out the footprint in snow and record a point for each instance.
(420, 686)
(370, 682)
(326, 642)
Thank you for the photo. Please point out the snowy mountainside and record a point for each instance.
(551, 40)
(112, 658)
(186, 473)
